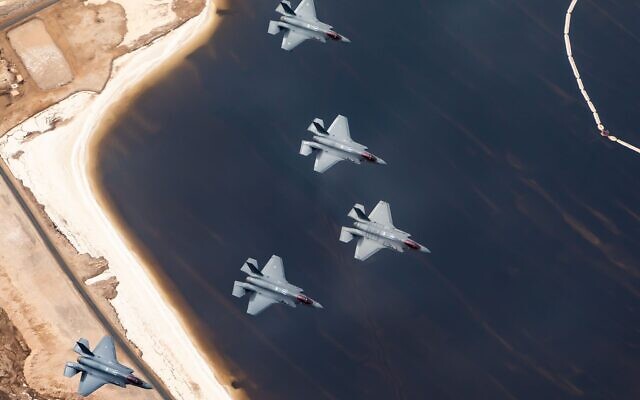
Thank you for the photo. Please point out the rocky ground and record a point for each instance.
(10, 78)
(13, 353)
(33, 329)
(90, 36)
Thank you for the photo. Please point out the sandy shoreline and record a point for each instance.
(56, 166)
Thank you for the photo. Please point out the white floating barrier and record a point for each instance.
(581, 87)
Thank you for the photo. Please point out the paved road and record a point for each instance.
(26, 14)
(121, 341)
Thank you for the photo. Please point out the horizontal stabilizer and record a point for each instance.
(305, 149)
(317, 127)
(82, 347)
(274, 28)
(238, 290)
(70, 371)
(250, 267)
(345, 235)
(358, 213)
(284, 8)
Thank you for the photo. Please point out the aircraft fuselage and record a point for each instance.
(352, 152)
(107, 372)
(269, 286)
(317, 29)
(99, 370)
(259, 285)
(392, 238)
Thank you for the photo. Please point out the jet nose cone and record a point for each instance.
(147, 385)
(317, 305)
(381, 161)
(424, 249)
(346, 39)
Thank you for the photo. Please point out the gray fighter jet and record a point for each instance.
(301, 24)
(377, 232)
(100, 366)
(269, 286)
(335, 144)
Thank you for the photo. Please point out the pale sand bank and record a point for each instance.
(54, 165)
(29, 280)
(139, 14)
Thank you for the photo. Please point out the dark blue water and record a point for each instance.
(532, 290)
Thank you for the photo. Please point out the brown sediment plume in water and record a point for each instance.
(188, 319)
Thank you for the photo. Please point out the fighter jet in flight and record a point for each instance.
(100, 366)
(269, 286)
(335, 144)
(301, 24)
(377, 232)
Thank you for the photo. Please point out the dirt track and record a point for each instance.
(47, 314)
(47, 310)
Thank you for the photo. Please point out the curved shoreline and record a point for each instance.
(101, 130)
(163, 339)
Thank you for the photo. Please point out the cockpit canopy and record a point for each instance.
(412, 244)
(369, 157)
(134, 380)
(304, 299)
(333, 36)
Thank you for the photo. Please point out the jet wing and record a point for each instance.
(274, 270)
(366, 248)
(325, 160)
(339, 129)
(106, 349)
(258, 302)
(89, 384)
(292, 39)
(382, 214)
(307, 10)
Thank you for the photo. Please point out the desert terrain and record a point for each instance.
(87, 36)
(42, 313)
(67, 53)
(13, 384)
